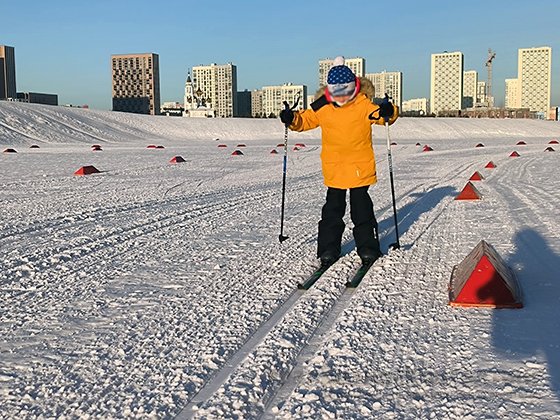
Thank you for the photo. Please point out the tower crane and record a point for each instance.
(489, 97)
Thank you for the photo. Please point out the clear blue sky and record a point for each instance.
(64, 46)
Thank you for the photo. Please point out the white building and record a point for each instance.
(257, 103)
(446, 85)
(310, 100)
(470, 88)
(420, 105)
(513, 94)
(389, 82)
(196, 102)
(481, 94)
(534, 71)
(357, 65)
(273, 98)
(218, 87)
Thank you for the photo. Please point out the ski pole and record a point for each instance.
(281, 237)
(397, 244)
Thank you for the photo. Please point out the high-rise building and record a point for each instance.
(274, 96)
(446, 86)
(534, 71)
(481, 94)
(218, 83)
(257, 103)
(387, 82)
(470, 88)
(357, 65)
(136, 83)
(244, 104)
(7, 72)
(513, 94)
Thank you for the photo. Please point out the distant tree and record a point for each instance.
(272, 115)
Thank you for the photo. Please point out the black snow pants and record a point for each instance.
(331, 226)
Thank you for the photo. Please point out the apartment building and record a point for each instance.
(273, 98)
(387, 82)
(417, 105)
(244, 104)
(357, 65)
(513, 94)
(534, 75)
(470, 88)
(7, 72)
(218, 83)
(481, 99)
(257, 103)
(135, 80)
(310, 100)
(446, 84)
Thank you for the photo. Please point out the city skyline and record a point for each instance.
(269, 45)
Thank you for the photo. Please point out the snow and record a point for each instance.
(154, 290)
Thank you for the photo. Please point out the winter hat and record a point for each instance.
(341, 81)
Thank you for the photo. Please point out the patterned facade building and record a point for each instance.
(218, 84)
(446, 85)
(7, 72)
(534, 75)
(135, 79)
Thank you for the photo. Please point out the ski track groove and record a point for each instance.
(330, 317)
(112, 245)
(223, 202)
(326, 321)
(404, 333)
(154, 312)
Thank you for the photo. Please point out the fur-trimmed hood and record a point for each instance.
(366, 87)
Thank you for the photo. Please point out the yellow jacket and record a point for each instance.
(347, 152)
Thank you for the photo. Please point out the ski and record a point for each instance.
(359, 275)
(312, 279)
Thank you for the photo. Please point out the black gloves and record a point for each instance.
(386, 109)
(287, 116)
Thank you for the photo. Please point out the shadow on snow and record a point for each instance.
(535, 329)
(407, 216)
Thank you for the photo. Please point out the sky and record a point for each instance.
(64, 46)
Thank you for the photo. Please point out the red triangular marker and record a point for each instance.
(476, 177)
(469, 192)
(87, 170)
(484, 279)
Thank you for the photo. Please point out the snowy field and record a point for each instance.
(153, 290)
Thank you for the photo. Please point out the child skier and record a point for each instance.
(345, 114)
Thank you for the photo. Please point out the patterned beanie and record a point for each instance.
(341, 81)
